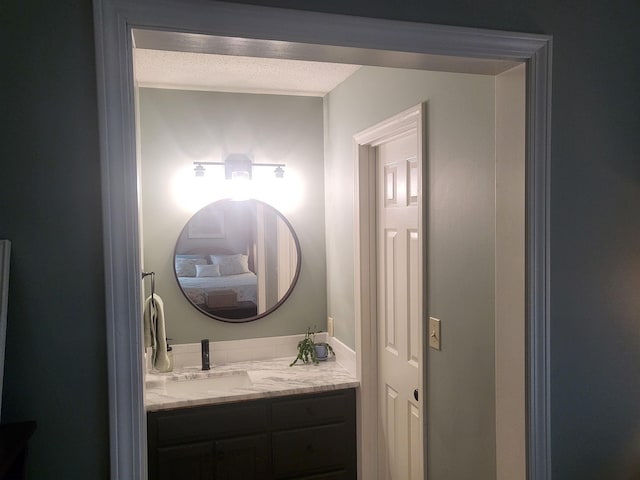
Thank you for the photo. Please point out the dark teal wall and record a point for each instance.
(50, 208)
(55, 370)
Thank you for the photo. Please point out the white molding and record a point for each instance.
(537, 268)
(345, 356)
(365, 290)
(509, 278)
(365, 273)
(391, 128)
(337, 37)
(116, 114)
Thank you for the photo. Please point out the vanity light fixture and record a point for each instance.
(238, 162)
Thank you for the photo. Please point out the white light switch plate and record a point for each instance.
(434, 333)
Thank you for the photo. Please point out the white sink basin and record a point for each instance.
(214, 384)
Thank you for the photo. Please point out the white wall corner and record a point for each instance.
(345, 356)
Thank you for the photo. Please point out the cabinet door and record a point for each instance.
(243, 458)
(193, 461)
(310, 450)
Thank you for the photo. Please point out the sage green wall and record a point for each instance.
(179, 127)
(460, 169)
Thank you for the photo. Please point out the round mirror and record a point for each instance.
(237, 261)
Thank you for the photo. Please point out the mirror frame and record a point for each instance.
(306, 31)
(279, 303)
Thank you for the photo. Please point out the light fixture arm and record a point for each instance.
(238, 163)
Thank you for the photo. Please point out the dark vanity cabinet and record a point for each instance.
(309, 436)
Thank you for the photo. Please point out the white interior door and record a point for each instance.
(400, 306)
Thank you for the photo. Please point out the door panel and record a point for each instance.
(414, 298)
(415, 448)
(389, 289)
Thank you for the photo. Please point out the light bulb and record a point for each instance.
(241, 185)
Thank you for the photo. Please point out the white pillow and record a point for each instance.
(231, 264)
(186, 267)
(207, 270)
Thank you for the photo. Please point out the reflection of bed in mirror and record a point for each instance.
(219, 282)
(237, 261)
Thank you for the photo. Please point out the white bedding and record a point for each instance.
(244, 284)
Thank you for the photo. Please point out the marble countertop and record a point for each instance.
(268, 378)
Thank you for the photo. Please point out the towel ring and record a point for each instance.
(153, 283)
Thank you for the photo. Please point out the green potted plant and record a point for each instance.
(311, 352)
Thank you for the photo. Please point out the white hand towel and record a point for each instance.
(149, 340)
(157, 337)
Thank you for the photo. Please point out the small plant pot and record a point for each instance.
(311, 352)
(321, 351)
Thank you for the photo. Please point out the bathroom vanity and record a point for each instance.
(283, 423)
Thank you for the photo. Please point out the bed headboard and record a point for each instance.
(215, 250)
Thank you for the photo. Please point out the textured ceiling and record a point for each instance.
(225, 73)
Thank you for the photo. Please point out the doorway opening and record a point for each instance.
(391, 157)
(241, 30)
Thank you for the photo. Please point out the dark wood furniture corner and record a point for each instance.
(14, 438)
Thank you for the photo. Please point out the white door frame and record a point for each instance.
(365, 275)
(272, 32)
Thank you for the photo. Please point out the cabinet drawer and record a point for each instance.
(309, 450)
(193, 461)
(244, 458)
(315, 410)
(199, 423)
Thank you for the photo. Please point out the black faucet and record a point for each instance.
(206, 364)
